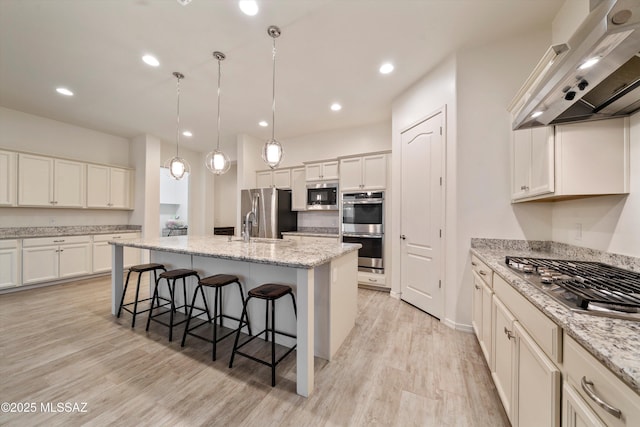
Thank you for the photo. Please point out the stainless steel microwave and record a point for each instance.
(322, 196)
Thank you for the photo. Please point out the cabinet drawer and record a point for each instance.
(372, 278)
(8, 244)
(546, 333)
(52, 241)
(483, 271)
(119, 236)
(580, 364)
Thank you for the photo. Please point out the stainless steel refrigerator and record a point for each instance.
(272, 208)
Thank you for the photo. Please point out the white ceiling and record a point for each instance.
(329, 50)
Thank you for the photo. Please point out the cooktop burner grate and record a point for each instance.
(590, 282)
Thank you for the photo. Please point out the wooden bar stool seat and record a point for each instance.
(216, 282)
(142, 268)
(270, 292)
(171, 277)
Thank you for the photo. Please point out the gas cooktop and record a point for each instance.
(583, 286)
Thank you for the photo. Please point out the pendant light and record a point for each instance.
(272, 150)
(216, 161)
(178, 166)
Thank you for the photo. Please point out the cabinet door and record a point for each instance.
(521, 163)
(98, 190)
(504, 352)
(264, 179)
(75, 260)
(486, 342)
(330, 170)
(8, 178)
(313, 172)
(69, 184)
(541, 176)
(298, 190)
(476, 321)
(101, 257)
(538, 384)
(9, 266)
(120, 188)
(575, 411)
(39, 264)
(351, 174)
(35, 180)
(374, 172)
(282, 178)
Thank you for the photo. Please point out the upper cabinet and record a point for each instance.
(108, 187)
(363, 173)
(322, 171)
(8, 178)
(44, 181)
(298, 189)
(588, 159)
(279, 178)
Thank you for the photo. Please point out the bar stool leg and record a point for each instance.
(135, 303)
(235, 343)
(273, 342)
(216, 300)
(124, 292)
(173, 308)
(242, 298)
(193, 303)
(153, 299)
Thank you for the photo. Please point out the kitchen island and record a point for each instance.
(323, 275)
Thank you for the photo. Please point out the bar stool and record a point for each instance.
(268, 292)
(170, 276)
(217, 282)
(138, 269)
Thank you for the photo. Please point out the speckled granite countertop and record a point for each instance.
(614, 342)
(314, 232)
(280, 252)
(77, 230)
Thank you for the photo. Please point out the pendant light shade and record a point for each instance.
(178, 167)
(272, 151)
(216, 161)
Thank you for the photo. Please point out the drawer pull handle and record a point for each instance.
(58, 241)
(587, 386)
(474, 264)
(373, 280)
(477, 287)
(508, 333)
(482, 273)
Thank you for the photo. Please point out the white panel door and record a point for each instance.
(98, 190)
(75, 260)
(542, 173)
(8, 178)
(35, 180)
(39, 264)
(69, 184)
(120, 187)
(421, 215)
(8, 267)
(521, 163)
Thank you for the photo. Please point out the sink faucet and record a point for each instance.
(248, 222)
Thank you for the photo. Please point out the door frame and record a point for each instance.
(396, 291)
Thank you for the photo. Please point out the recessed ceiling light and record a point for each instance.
(589, 63)
(336, 107)
(386, 68)
(248, 7)
(151, 60)
(187, 133)
(263, 123)
(64, 91)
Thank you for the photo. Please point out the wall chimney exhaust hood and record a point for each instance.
(595, 75)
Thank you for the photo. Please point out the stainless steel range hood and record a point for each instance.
(561, 90)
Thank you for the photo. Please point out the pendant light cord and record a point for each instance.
(178, 118)
(273, 107)
(219, 72)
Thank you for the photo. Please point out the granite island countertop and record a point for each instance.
(614, 342)
(73, 230)
(280, 252)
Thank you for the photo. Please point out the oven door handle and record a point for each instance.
(362, 202)
(371, 236)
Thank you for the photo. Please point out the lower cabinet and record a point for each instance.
(102, 251)
(575, 411)
(9, 263)
(47, 259)
(504, 348)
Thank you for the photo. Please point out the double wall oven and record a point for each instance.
(363, 222)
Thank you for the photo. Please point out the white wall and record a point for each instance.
(145, 153)
(609, 223)
(226, 198)
(25, 132)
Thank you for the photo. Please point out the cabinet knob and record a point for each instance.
(477, 287)
(508, 333)
(403, 237)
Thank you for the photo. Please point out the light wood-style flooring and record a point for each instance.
(398, 367)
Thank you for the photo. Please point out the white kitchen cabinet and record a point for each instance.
(596, 387)
(8, 178)
(49, 182)
(108, 187)
(504, 352)
(279, 178)
(298, 189)
(575, 411)
(102, 250)
(537, 384)
(363, 173)
(589, 159)
(533, 155)
(9, 263)
(47, 259)
(372, 279)
(482, 307)
(322, 171)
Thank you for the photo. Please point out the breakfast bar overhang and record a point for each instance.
(323, 275)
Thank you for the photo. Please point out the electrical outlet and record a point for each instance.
(578, 231)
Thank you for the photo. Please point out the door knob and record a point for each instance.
(403, 237)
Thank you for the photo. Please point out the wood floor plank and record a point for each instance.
(398, 367)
